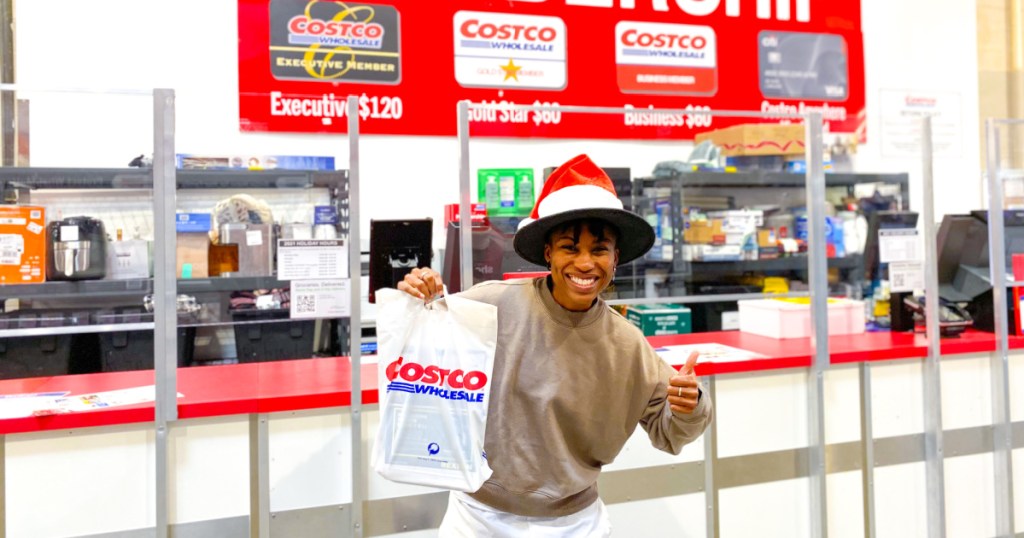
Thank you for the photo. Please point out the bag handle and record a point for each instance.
(437, 300)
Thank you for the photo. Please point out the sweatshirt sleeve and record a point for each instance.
(670, 431)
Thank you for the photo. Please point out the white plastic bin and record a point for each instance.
(791, 318)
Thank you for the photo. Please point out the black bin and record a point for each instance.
(274, 340)
(34, 356)
(121, 351)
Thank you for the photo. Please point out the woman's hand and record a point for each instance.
(422, 283)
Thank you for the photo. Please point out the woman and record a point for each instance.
(572, 378)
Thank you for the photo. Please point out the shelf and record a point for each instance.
(760, 178)
(792, 263)
(142, 178)
(136, 287)
(75, 329)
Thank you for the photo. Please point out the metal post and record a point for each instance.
(165, 286)
(355, 330)
(710, 459)
(8, 116)
(818, 277)
(3, 486)
(1002, 441)
(465, 222)
(259, 476)
(933, 451)
(867, 445)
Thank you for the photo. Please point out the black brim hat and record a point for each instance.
(579, 189)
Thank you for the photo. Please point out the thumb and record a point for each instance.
(691, 362)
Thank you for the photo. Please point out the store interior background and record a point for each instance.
(191, 46)
(968, 48)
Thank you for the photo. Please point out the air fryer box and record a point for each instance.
(193, 250)
(657, 320)
(22, 244)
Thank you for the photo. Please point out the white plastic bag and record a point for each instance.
(433, 382)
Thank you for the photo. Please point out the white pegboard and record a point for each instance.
(132, 210)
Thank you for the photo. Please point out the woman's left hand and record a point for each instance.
(683, 388)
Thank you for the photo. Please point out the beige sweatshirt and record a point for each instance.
(568, 390)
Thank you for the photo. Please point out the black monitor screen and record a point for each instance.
(396, 247)
(964, 256)
(493, 256)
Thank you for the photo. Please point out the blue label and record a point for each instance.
(192, 222)
(325, 214)
(801, 227)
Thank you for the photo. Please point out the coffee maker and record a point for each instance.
(76, 249)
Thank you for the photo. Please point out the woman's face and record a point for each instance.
(581, 266)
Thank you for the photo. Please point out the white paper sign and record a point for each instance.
(906, 276)
(902, 111)
(321, 299)
(253, 238)
(899, 245)
(312, 259)
(23, 405)
(710, 352)
(101, 400)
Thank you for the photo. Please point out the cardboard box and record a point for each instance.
(702, 232)
(193, 255)
(757, 139)
(22, 244)
(791, 318)
(655, 320)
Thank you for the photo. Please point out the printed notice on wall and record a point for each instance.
(899, 245)
(317, 259)
(906, 276)
(902, 112)
(321, 299)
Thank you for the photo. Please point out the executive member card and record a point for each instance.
(794, 65)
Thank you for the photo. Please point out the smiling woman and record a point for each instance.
(572, 378)
(582, 257)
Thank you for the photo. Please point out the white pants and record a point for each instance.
(468, 518)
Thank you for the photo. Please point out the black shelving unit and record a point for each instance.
(17, 185)
(792, 263)
(122, 288)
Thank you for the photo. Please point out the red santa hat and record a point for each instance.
(579, 189)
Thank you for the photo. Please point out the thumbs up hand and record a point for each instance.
(683, 388)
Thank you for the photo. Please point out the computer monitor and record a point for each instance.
(397, 247)
(883, 220)
(493, 256)
(963, 252)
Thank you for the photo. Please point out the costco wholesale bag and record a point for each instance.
(434, 379)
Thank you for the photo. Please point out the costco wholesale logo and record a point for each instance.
(326, 41)
(414, 378)
(698, 8)
(303, 30)
(503, 50)
(665, 58)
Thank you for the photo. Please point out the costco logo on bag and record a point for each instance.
(414, 378)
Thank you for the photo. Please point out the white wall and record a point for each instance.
(191, 46)
(923, 45)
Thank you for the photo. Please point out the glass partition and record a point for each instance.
(264, 281)
(76, 237)
(730, 211)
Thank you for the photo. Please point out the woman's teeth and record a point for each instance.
(583, 281)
